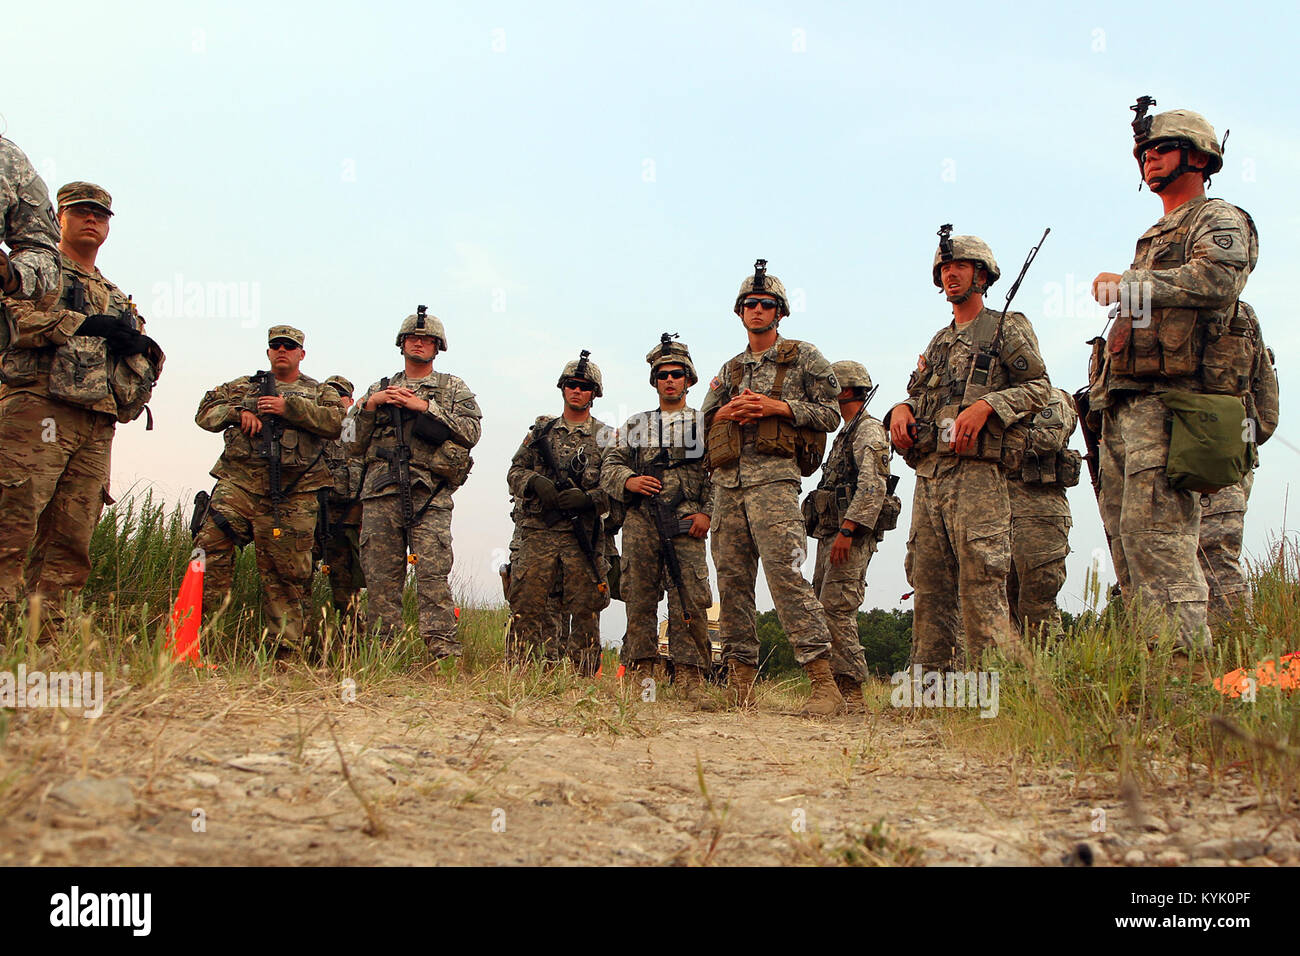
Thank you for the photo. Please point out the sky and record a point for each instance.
(549, 178)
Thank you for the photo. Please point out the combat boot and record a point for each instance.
(851, 691)
(740, 684)
(690, 684)
(635, 673)
(825, 700)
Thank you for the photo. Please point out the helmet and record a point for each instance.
(851, 375)
(423, 324)
(1190, 128)
(970, 248)
(582, 367)
(760, 281)
(668, 352)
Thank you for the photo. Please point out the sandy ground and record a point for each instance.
(417, 772)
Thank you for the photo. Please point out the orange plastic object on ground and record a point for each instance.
(183, 632)
(1266, 673)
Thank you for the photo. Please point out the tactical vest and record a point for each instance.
(689, 485)
(447, 461)
(771, 435)
(1217, 347)
(299, 448)
(824, 509)
(1035, 452)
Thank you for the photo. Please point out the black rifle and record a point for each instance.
(984, 359)
(272, 433)
(399, 472)
(563, 482)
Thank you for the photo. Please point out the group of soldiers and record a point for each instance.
(368, 487)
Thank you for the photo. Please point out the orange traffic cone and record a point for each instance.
(183, 632)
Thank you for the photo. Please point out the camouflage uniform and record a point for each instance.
(1040, 513)
(550, 555)
(342, 545)
(756, 504)
(686, 491)
(62, 396)
(1223, 514)
(1191, 266)
(28, 228)
(437, 468)
(554, 622)
(959, 547)
(241, 509)
(852, 488)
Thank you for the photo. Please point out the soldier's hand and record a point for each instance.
(249, 423)
(545, 491)
(385, 396)
(574, 499)
(699, 525)
(98, 325)
(408, 399)
(966, 429)
(8, 275)
(643, 485)
(842, 543)
(900, 417)
(1105, 288)
(271, 404)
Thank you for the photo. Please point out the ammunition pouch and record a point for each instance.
(79, 371)
(889, 512)
(451, 462)
(1207, 448)
(926, 442)
(821, 513)
(1228, 356)
(774, 436)
(23, 366)
(722, 445)
(988, 445)
(1060, 469)
(1165, 348)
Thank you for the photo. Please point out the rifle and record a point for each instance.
(273, 432)
(399, 472)
(563, 482)
(984, 359)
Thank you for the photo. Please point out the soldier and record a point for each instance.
(77, 364)
(1041, 467)
(30, 269)
(1223, 513)
(848, 514)
(767, 414)
(275, 425)
(1178, 328)
(656, 467)
(555, 622)
(980, 374)
(560, 508)
(339, 526)
(415, 431)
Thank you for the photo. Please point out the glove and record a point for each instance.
(123, 342)
(574, 499)
(99, 325)
(545, 491)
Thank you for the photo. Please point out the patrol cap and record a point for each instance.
(72, 193)
(285, 332)
(342, 384)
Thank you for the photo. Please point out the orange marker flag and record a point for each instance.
(183, 632)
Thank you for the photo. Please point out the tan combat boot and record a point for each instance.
(740, 684)
(825, 700)
(693, 688)
(851, 691)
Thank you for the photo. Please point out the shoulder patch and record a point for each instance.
(1223, 242)
(714, 384)
(1046, 413)
(1020, 364)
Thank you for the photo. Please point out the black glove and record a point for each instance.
(545, 491)
(123, 342)
(574, 499)
(99, 325)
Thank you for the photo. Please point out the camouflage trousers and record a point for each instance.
(958, 556)
(342, 556)
(646, 577)
(1223, 521)
(384, 563)
(1039, 545)
(1153, 528)
(763, 521)
(283, 561)
(841, 588)
(550, 560)
(54, 468)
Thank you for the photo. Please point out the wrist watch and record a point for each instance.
(846, 532)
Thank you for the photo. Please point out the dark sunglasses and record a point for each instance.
(664, 374)
(1159, 149)
(755, 303)
(579, 384)
(288, 345)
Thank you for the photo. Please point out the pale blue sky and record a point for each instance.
(562, 176)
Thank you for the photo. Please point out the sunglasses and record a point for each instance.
(759, 303)
(286, 345)
(1159, 149)
(579, 384)
(665, 374)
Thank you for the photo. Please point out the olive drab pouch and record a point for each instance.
(810, 516)
(889, 512)
(1208, 450)
(79, 371)
(1069, 465)
(452, 462)
(1228, 357)
(722, 445)
(22, 366)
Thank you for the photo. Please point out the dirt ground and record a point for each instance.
(416, 772)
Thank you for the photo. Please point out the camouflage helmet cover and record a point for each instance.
(851, 375)
(668, 352)
(1183, 125)
(340, 384)
(771, 285)
(590, 373)
(423, 324)
(973, 249)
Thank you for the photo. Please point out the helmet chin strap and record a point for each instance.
(1161, 183)
(766, 328)
(415, 358)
